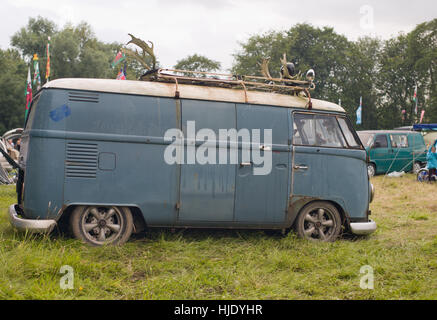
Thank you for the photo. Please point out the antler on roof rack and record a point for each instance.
(229, 80)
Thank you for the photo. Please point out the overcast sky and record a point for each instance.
(214, 27)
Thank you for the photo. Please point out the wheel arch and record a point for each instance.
(345, 218)
(63, 219)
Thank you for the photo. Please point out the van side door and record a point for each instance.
(207, 190)
(402, 152)
(381, 153)
(262, 188)
(419, 147)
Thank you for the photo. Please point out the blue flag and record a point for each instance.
(359, 111)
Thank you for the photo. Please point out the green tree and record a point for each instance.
(12, 89)
(396, 82)
(76, 52)
(33, 39)
(362, 65)
(197, 62)
(422, 55)
(307, 47)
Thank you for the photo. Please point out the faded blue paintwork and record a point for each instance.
(109, 150)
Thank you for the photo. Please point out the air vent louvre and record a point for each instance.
(83, 96)
(81, 160)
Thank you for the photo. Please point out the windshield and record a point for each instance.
(366, 138)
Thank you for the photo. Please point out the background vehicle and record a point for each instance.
(8, 143)
(393, 150)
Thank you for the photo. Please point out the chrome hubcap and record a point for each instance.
(100, 224)
(319, 224)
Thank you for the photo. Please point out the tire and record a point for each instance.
(371, 170)
(319, 221)
(416, 167)
(101, 225)
(423, 175)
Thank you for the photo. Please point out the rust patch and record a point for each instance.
(296, 203)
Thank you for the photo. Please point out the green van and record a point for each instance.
(393, 150)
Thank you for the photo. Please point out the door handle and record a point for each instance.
(245, 164)
(300, 167)
(265, 148)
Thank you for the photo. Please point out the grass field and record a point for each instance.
(205, 264)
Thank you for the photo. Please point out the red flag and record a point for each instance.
(121, 75)
(28, 93)
(48, 61)
(118, 58)
(421, 115)
(415, 98)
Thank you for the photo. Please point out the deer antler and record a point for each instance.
(136, 56)
(146, 49)
(265, 67)
(284, 67)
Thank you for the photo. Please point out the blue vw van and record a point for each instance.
(95, 156)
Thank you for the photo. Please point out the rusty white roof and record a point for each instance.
(186, 91)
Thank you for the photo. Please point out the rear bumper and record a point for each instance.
(31, 225)
(363, 228)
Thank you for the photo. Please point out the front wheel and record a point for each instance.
(319, 221)
(416, 167)
(98, 225)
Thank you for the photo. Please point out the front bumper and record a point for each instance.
(30, 225)
(363, 228)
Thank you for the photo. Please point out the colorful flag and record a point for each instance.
(118, 58)
(421, 115)
(121, 75)
(48, 61)
(415, 99)
(359, 111)
(28, 93)
(36, 75)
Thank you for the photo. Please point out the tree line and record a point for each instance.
(383, 73)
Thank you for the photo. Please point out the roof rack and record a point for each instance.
(279, 85)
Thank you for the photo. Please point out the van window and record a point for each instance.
(380, 141)
(366, 138)
(348, 134)
(317, 130)
(304, 132)
(399, 140)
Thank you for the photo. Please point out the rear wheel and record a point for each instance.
(423, 175)
(98, 225)
(319, 221)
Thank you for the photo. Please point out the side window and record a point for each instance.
(348, 134)
(317, 130)
(328, 133)
(304, 130)
(399, 140)
(380, 141)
